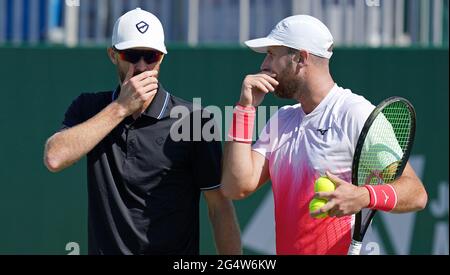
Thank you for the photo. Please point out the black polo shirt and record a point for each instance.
(143, 187)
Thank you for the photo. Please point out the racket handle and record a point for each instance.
(355, 248)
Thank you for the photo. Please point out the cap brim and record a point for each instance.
(138, 44)
(260, 45)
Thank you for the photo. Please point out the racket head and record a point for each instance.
(382, 150)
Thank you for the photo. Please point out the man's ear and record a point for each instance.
(302, 57)
(112, 55)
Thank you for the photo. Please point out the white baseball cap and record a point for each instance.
(138, 28)
(301, 32)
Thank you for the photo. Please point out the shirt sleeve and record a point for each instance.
(268, 137)
(381, 145)
(207, 157)
(381, 149)
(354, 119)
(74, 114)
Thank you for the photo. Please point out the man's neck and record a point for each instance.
(314, 92)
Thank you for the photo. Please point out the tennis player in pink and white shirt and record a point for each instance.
(300, 143)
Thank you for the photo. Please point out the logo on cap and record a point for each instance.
(142, 27)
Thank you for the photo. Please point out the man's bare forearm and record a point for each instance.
(65, 148)
(243, 172)
(226, 230)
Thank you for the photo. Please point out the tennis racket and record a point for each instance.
(381, 154)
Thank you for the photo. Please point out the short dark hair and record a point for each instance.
(291, 50)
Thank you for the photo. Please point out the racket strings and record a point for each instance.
(385, 144)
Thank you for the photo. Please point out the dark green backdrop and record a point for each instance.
(41, 212)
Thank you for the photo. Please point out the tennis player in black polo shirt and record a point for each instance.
(143, 187)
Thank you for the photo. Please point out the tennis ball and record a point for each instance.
(316, 204)
(323, 184)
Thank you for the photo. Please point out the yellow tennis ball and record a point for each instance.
(323, 184)
(316, 204)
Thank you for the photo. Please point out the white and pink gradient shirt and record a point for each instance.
(301, 149)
